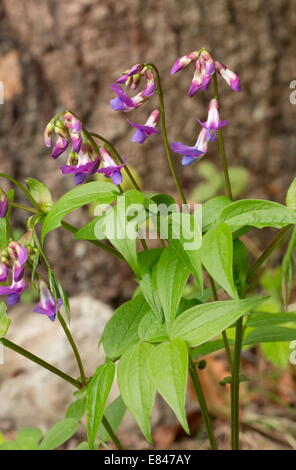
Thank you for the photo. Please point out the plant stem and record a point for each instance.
(58, 372)
(165, 135)
(111, 433)
(24, 208)
(202, 404)
(235, 384)
(40, 362)
(224, 334)
(279, 237)
(74, 348)
(221, 144)
(22, 188)
(118, 157)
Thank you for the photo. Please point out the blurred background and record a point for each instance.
(57, 54)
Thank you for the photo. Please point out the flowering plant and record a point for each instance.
(157, 339)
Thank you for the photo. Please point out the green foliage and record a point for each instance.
(217, 257)
(98, 390)
(40, 193)
(84, 194)
(135, 385)
(114, 413)
(4, 320)
(168, 366)
(121, 330)
(58, 434)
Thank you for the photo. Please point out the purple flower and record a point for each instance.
(213, 122)
(131, 78)
(3, 205)
(183, 61)
(110, 169)
(14, 291)
(74, 126)
(48, 134)
(191, 154)
(60, 147)
(144, 131)
(3, 272)
(47, 305)
(19, 255)
(230, 77)
(204, 69)
(81, 165)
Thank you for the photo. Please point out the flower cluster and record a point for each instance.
(131, 79)
(12, 264)
(205, 68)
(82, 159)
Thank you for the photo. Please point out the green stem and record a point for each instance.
(74, 348)
(24, 208)
(111, 433)
(40, 362)
(275, 242)
(23, 352)
(235, 385)
(221, 144)
(117, 155)
(202, 403)
(22, 188)
(165, 135)
(224, 334)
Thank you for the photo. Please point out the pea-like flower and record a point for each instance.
(74, 125)
(110, 169)
(191, 154)
(4, 271)
(14, 291)
(3, 205)
(131, 79)
(68, 129)
(19, 256)
(47, 304)
(147, 129)
(230, 77)
(81, 164)
(213, 122)
(204, 69)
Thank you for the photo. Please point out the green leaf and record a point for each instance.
(121, 330)
(265, 318)
(203, 322)
(217, 257)
(9, 445)
(82, 446)
(114, 414)
(291, 196)
(168, 366)
(148, 260)
(171, 277)
(256, 213)
(98, 390)
(83, 194)
(240, 266)
(287, 269)
(4, 320)
(211, 210)
(268, 334)
(209, 347)
(28, 438)
(150, 329)
(40, 192)
(135, 385)
(76, 410)
(58, 434)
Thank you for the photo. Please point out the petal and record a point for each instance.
(116, 177)
(187, 160)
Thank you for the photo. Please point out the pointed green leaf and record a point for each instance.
(121, 330)
(168, 366)
(171, 277)
(217, 256)
(203, 322)
(83, 194)
(58, 434)
(135, 385)
(257, 213)
(211, 211)
(98, 390)
(40, 192)
(268, 334)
